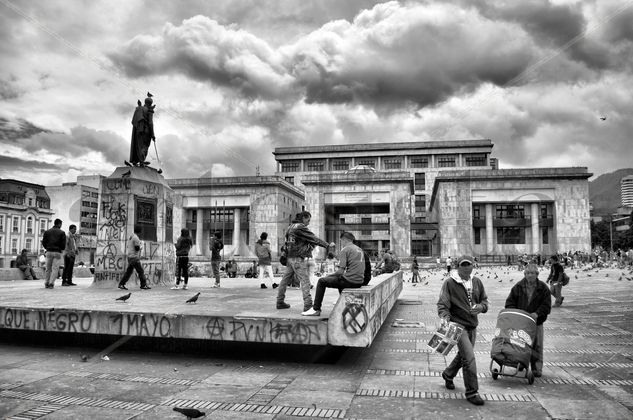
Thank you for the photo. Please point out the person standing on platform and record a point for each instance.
(350, 273)
(415, 271)
(69, 256)
(22, 262)
(134, 261)
(555, 279)
(462, 298)
(264, 260)
(215, 246)
(54, 242)
(533, 296)
(449, 263)
(300, 242)
(183, 246)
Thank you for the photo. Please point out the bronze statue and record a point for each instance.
(142, 132)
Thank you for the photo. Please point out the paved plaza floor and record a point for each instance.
(588, 369)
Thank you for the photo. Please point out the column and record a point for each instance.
(535, 229)
(489, 230)
(199, 228)
(236, 231)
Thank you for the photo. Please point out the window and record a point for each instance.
(290, 166)
(1, 223)
(545, 235)
(446, 161)
(392, 163)
(511, 235)
(1, 244)
(510, 211)
(340, 165)
(94, 195)
(317, 165)
(30, 202)
(222, 215)
(194, 215)
(419, 162)
(420, 203)
(341, 220)
(367, 162)
(14, 245)
(16, 224)
(28, 244)
(419, 219)
(476, 159)
(421, 248)
(476, 212)
(545, 211)
(43, 226)
(85, 203)
(227, 239)
(29, 224)
(420, 181)
(477, 236)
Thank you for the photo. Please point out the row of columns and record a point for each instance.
(200, 246)
(534, 212)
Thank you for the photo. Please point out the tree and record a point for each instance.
(600, 235)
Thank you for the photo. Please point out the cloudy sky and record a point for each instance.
(233, 79)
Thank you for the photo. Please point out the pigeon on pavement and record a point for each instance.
(191, 413)
(124, 297)
(193, 299)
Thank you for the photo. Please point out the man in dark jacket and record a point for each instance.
(300, 242)
(215, 246)
(22, 262)
(555, 278)
(462, 298)
(532, 296)
(54, 242)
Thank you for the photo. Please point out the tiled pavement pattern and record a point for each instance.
(588, 371)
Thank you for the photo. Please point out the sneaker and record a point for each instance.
(263, 286)
(145, 287)
(448, 383)
(282, 305)
(184, 287)
(475, 399)
(216, 285)
(48, 286)
(176, 287)
(122, 287)
(561, 300)
(275, 285)
(311, 312)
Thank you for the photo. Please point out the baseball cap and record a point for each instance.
(465, 258)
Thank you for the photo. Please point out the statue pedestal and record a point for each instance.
(136, 196)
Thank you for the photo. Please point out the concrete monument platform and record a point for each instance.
(237, 311)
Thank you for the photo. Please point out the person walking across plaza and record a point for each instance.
(215, 246)
(134, 261)
(54, 242)
(264, 260)
(300, 242)
(350, 273)
(462, 298)
(70, 252)
(415, 271)
(533, 296)
(449, 263)
(22, 262)
(555, 279)
(183, 246)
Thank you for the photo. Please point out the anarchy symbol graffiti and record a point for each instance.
(354, 318)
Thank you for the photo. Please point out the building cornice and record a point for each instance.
(238, 181)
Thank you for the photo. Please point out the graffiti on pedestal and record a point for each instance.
(45, 320)
(263, 331)
(354, 315)
(146, 325)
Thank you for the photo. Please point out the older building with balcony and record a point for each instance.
(25, 214)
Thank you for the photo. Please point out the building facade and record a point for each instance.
(626, 191)
(25, 215)
(239, 207)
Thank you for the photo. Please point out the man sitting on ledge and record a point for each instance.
(22, 262)
(350, 273)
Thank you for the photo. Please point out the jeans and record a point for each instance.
(53, 261)
(557, 291)
(465, 360)
(29, 274)
(335, 281)
(266, 269)
(134, 264)
(69, 264)
(296, 267)
(537, 350)
(215, 268)
(182, 267)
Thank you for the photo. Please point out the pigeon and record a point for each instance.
(124, 297)
(193, 299)
(191, 413)
(149, 95)
(126, 174)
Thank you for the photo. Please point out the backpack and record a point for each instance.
(260, 251)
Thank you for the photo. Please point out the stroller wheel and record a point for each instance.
(495, 374)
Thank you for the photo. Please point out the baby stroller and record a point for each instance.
(512, 345)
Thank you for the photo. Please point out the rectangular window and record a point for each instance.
(420, 181)
(476, 212)
(28, 244)
(510, 235)
(510, 211)
(545, 234)
(29, 225)
(146, 218)
(14, 245)
(290, 179)
(477, 236)
(1, 245)
(475, 159)
(446, 161)
(169, 222)
(392, 163)
(544, 211)
(94, 195)
(340, 165)
(1, 223)
(419, 162)
(316, 165)
(420, 203)
(367, 162)
(290, 166)
(30, 202)
(421, 248)
(227, 239)
(366, 221)
(16, 224)
(43, 225)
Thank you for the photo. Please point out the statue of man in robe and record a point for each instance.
(142, 132)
